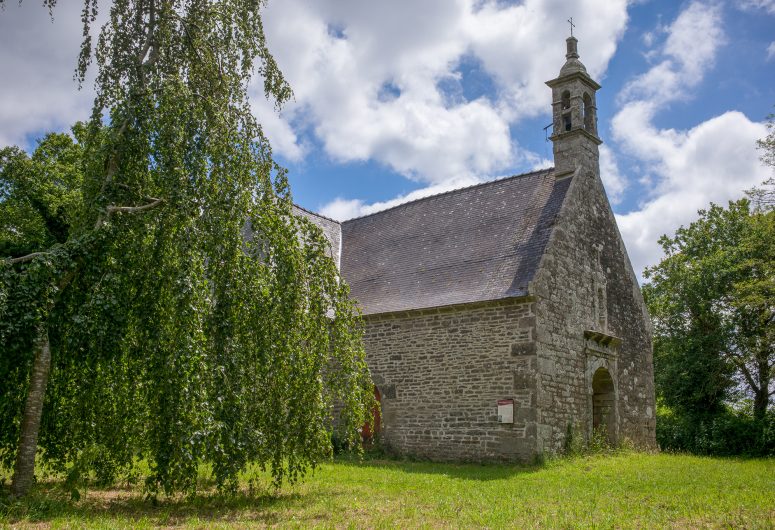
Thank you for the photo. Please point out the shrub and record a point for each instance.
(729, 433)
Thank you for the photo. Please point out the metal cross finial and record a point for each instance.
(572, 25)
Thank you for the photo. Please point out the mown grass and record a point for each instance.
(631, 490)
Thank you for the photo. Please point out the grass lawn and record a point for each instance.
(621, 491)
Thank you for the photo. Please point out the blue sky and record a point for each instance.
(396, 100)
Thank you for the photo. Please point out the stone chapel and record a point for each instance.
(501, 317)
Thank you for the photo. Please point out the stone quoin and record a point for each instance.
(516, 293)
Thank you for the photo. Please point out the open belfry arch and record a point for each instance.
(501, 316)
(574, 115)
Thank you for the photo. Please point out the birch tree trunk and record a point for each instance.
(24, 469)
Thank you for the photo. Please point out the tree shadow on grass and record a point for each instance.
(127, 506)
(123, 506)
(466, 471)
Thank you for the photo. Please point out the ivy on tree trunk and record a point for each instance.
(24, 470)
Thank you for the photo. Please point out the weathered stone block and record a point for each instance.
(523, 348)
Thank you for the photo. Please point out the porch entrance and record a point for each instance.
(603, 404)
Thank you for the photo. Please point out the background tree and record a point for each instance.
(767, 144)
(763, 197)
(39, 195)
(135, 317)
(712, 301)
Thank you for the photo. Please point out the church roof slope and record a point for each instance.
(468, 245)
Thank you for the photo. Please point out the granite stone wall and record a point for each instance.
(441, 373)
(590, 315)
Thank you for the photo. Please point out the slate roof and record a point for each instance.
(473, 244)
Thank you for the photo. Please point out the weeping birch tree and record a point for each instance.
(149, 326)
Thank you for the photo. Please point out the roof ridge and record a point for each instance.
(449, 192)
(316, 214)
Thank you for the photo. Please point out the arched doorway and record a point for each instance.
(367, 434)
(604, 404)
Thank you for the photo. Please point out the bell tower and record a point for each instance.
(574, 113)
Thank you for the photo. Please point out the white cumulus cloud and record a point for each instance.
(370, 77)
(713, 161)
(768, 6)
(615, 183)
(373, 81)
(685, 58)
(283, 138)
(343, 209)
(38, 56)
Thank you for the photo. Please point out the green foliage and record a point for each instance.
(41, 200)
(712, 303)
(174, 338)
(763, 196)
(574, 444)
(40, 195)
(731, 432)
(577, 445)
(767, 144)
(599, 442)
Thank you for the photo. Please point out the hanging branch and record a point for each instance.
(101, 220)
